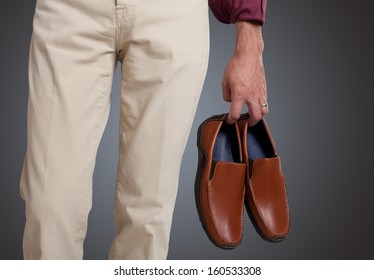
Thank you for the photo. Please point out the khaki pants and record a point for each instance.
(163, 48)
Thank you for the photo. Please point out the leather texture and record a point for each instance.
(266, 197)
(219, 184)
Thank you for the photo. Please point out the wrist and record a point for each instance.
(248, 37)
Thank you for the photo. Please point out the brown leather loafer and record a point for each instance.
(219, 184)
(266, 197)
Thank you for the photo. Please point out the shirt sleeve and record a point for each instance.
(231, 11)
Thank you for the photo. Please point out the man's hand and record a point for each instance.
(244, 78)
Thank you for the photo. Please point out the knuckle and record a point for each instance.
(256, 118)
(235, 116)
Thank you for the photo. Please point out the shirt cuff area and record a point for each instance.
(231, 11)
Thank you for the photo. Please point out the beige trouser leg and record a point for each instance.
(163, 47)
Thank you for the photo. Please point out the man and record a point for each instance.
(163, 48)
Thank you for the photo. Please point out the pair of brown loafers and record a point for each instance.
(238, 166)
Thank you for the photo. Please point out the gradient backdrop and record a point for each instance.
(319, 65)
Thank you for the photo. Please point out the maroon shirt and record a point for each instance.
(231, 11)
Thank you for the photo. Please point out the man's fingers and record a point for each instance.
(256, 112)
(235, 111)
(236, 105)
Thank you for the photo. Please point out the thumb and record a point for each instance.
(226, 92)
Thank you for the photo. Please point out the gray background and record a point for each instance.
(319, 65)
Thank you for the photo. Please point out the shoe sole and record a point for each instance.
(259, 231)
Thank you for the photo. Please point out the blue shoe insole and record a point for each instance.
(258, 142)
(226, 147)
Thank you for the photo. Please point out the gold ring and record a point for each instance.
(264, 105)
